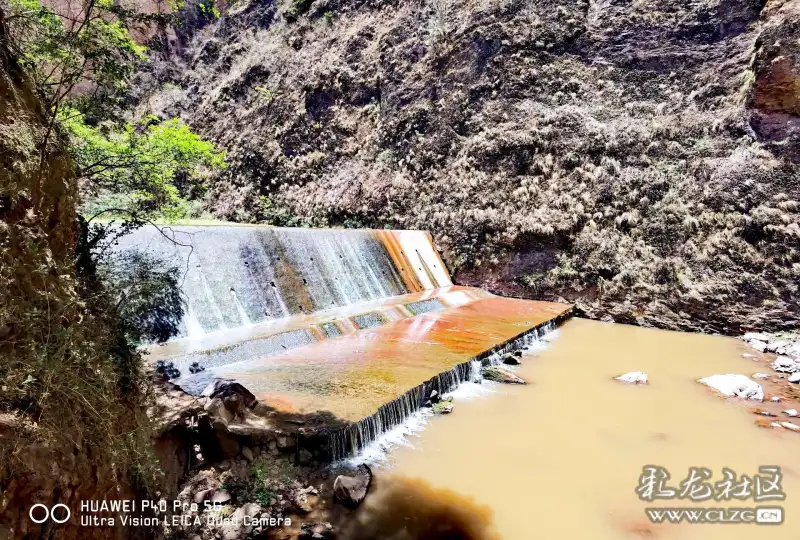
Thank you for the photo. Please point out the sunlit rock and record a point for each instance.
(498, 374)
(735, 385)
(790, 412)
(351, 490)
(784, 364)
(634, 377)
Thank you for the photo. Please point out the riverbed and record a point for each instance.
(562, 456)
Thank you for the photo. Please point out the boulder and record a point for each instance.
(498, 374)
(233, 394)
(794, 377)
(633, 377)
(760, 346)
(784, 364)
(350, 491)
(735, 385)
(775, 346)
(247, 454)
(510, 359)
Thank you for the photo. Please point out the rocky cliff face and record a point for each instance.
(639, 159)
(58, 389)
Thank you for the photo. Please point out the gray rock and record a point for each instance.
(443, 407)
(350, 491)
(510, 359)
(247, 454)
(498, 374)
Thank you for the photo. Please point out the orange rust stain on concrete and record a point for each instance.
(353, 375)
(391, 242)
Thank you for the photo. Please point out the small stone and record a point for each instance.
(790, 426)
(634, 377)
(776, 399)
(443, 407)
(247, 454)
(794, 377)
(760, 376)
(434, 397)
(762, 412)
(760, 346)
(790, 412)
(510, 359)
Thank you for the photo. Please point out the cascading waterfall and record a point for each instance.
(351, 440)
(237, 276)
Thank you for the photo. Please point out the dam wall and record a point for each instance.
(358, 327)
(235, 276)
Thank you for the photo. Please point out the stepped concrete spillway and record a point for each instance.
(361, 324)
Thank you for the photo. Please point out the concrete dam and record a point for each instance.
(360, 325)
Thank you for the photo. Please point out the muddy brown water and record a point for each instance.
(561, 457)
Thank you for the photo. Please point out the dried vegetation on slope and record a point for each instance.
(638, 159)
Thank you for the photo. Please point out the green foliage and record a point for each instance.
(90, 49)
(144, 169)
(209, 9)
(82, 65)
(146, 295)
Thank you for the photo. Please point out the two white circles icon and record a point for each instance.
(50, 513)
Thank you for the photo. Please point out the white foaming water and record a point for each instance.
(377, 452)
